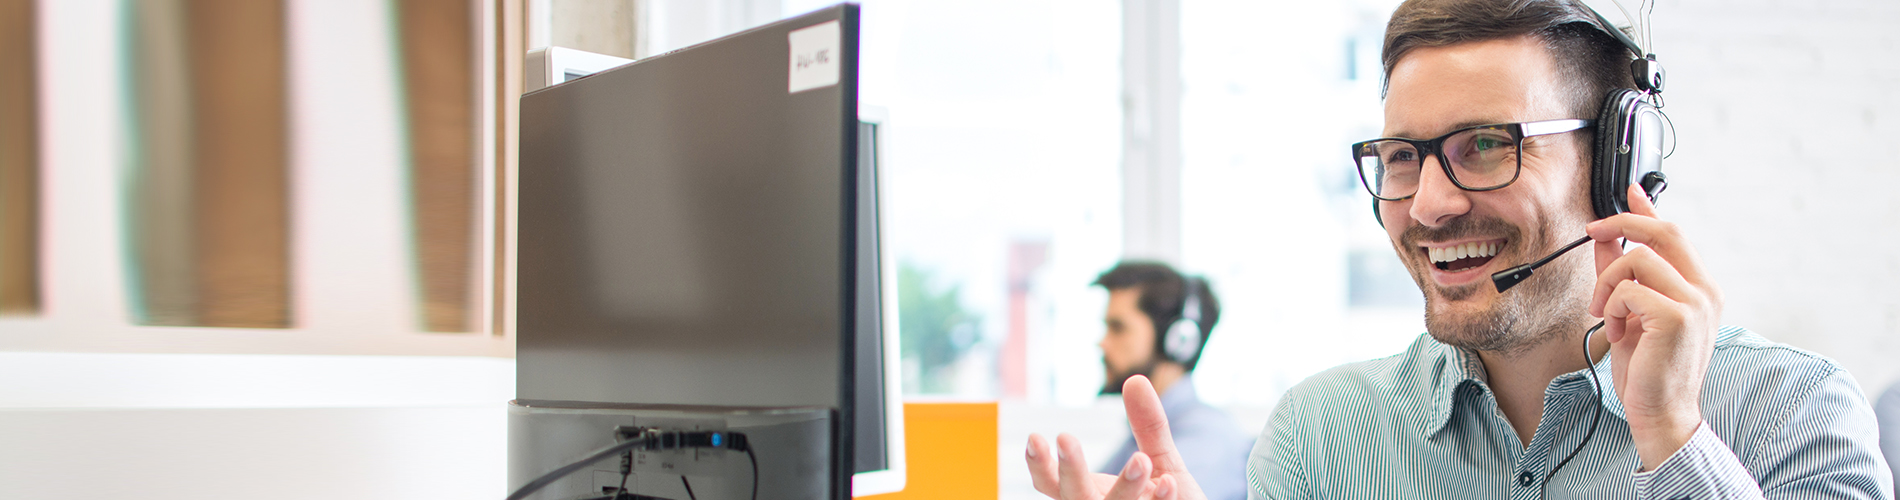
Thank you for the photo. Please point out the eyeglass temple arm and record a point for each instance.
(1554, 126)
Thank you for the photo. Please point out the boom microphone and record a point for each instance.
(1508, 278)
(1652, 183)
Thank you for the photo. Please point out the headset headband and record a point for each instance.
(1647, 73)
(1605, 25)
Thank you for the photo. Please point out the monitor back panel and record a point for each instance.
(687, 227)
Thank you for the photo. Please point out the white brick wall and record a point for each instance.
(1787, 177)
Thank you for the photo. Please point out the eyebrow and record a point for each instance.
(1454, 127)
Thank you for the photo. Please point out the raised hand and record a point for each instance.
(1660, 314)
(1156, 472)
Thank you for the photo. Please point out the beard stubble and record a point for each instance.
(1534, 312)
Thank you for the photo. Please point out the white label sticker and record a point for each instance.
(815, 57)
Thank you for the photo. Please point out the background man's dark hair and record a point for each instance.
(1592, 61)
(1161, 291)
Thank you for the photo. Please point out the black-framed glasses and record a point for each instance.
(1480, 158)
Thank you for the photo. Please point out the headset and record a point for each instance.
(1182, 342)
(1629, 133)
(1628, 148)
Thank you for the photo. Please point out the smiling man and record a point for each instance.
(1490, 116)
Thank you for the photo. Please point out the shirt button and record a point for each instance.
(1524, 479)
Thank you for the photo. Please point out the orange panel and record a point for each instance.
(950, 452)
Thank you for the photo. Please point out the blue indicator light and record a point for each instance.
(715, 439)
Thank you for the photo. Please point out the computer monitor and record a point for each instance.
(556, 65)
(879, 420)
(702, 228)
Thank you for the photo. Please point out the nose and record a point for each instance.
(1439, 200)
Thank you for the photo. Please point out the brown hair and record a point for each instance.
(1162, 293)
(1594, 62)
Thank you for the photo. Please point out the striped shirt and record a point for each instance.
(1778, 422)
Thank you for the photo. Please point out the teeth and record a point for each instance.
(1467, 250)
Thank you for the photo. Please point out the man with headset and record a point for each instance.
(1512, 127)
(1157, 322)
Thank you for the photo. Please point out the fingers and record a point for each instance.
(1133, 483)
(1166, 489)
(1639, 202)
(1042, 466)
(1643, 266)
(1642, 226)
(1062, 472)
(1633, 307)
(1607, 252)
(1621, 350)
(1149, 423)
(1072, 469)
(1660, 349)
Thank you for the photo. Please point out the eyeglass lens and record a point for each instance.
(1480, 158)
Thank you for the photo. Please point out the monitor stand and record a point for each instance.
(792, 448)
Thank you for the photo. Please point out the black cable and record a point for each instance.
(626, 469)
(755, 472)
(1596, 388)
(689, 489)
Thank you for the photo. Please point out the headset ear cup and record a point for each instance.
(1628, 148)
(1613, 123)
(1182, 341)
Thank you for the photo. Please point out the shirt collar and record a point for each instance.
(1458, 367)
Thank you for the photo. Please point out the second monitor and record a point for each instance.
(697, 229)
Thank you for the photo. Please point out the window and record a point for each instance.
(440, 83)
(1272, 214)
(269, 177)
(19, 160)
(208, 209)
(1003, 153)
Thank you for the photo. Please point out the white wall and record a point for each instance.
(1787, 113)
(322, 453)
(195, 426)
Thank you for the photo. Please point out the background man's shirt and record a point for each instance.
(1213, 446)
(1777, 421)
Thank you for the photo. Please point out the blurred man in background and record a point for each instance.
(1158, 321)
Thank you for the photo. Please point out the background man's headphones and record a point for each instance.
(1628, 148)
(1182, 342)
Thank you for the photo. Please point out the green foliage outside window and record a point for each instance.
(937, 330)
